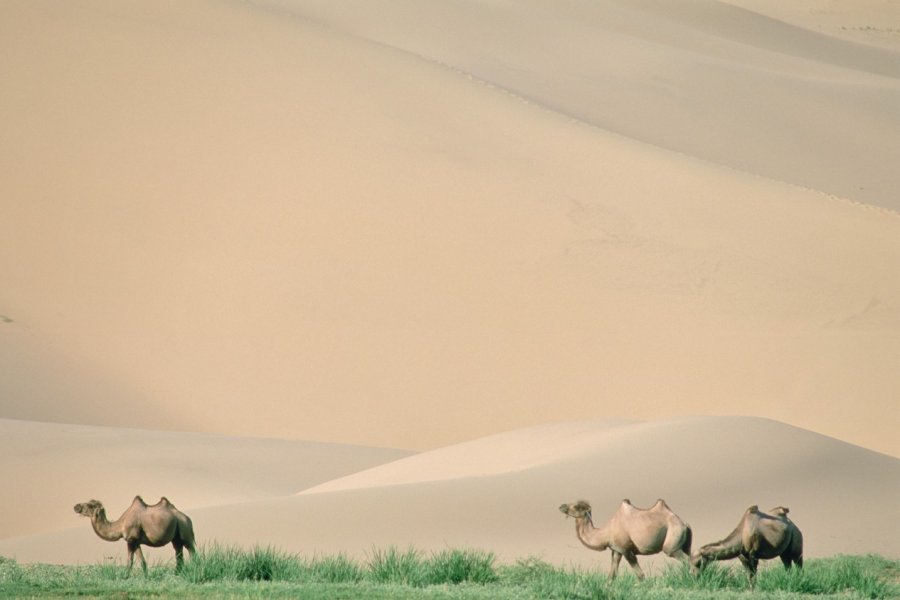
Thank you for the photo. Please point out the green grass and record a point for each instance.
(230, 572)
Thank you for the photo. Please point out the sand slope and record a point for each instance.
(240, 219)
(871, 22)
(708, 469)
(47, 468)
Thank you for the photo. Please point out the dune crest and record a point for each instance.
(497, 454)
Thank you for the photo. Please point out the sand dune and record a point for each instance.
(708, 469)
(47, 468)
(298, 222)
(730, 85)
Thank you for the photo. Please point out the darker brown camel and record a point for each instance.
(152, 526)
(632, 532)
(758, 536)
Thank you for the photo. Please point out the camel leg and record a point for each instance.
(140, 554)
(130, 557)
(790, 561)
(751, 563)
(632, 561)
(179, 555)
(614, 564)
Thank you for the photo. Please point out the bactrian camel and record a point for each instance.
(758, 536)
(632, 532)
(152, 526)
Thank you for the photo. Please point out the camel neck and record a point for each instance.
(590, 536)
(106, 530)
(725, 549)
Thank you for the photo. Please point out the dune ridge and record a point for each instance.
(871, 22)
(498, 454)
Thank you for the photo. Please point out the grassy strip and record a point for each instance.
(229, 572)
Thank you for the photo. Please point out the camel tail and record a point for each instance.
(688, 540)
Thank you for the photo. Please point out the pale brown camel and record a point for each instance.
(152, 526)
(758, 536)
(632, 532)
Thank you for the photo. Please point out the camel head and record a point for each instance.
(89, 508)
(579, 510)
(698, 561)
(703, 556)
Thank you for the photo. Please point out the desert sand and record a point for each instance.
(432, 269)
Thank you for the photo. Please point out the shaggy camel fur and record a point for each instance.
(632, 532)
(757, 536)
(152, 526)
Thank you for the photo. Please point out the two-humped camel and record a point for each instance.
(152, 526)
(632, 532)
(758, 536)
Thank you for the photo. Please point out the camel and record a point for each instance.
(153, 526)
(758, 536)
(633, 532)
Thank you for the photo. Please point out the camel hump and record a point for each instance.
(753, 509)
(138, 500)
(626, 501)
(661, 503)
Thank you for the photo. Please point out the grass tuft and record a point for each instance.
(452, 566)
(218, 562)
(393, 566)
(857, 574)
(10, 572)
(712, 577)
(333, 569)
(544, 580)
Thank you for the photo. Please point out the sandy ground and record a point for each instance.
(308, 230)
